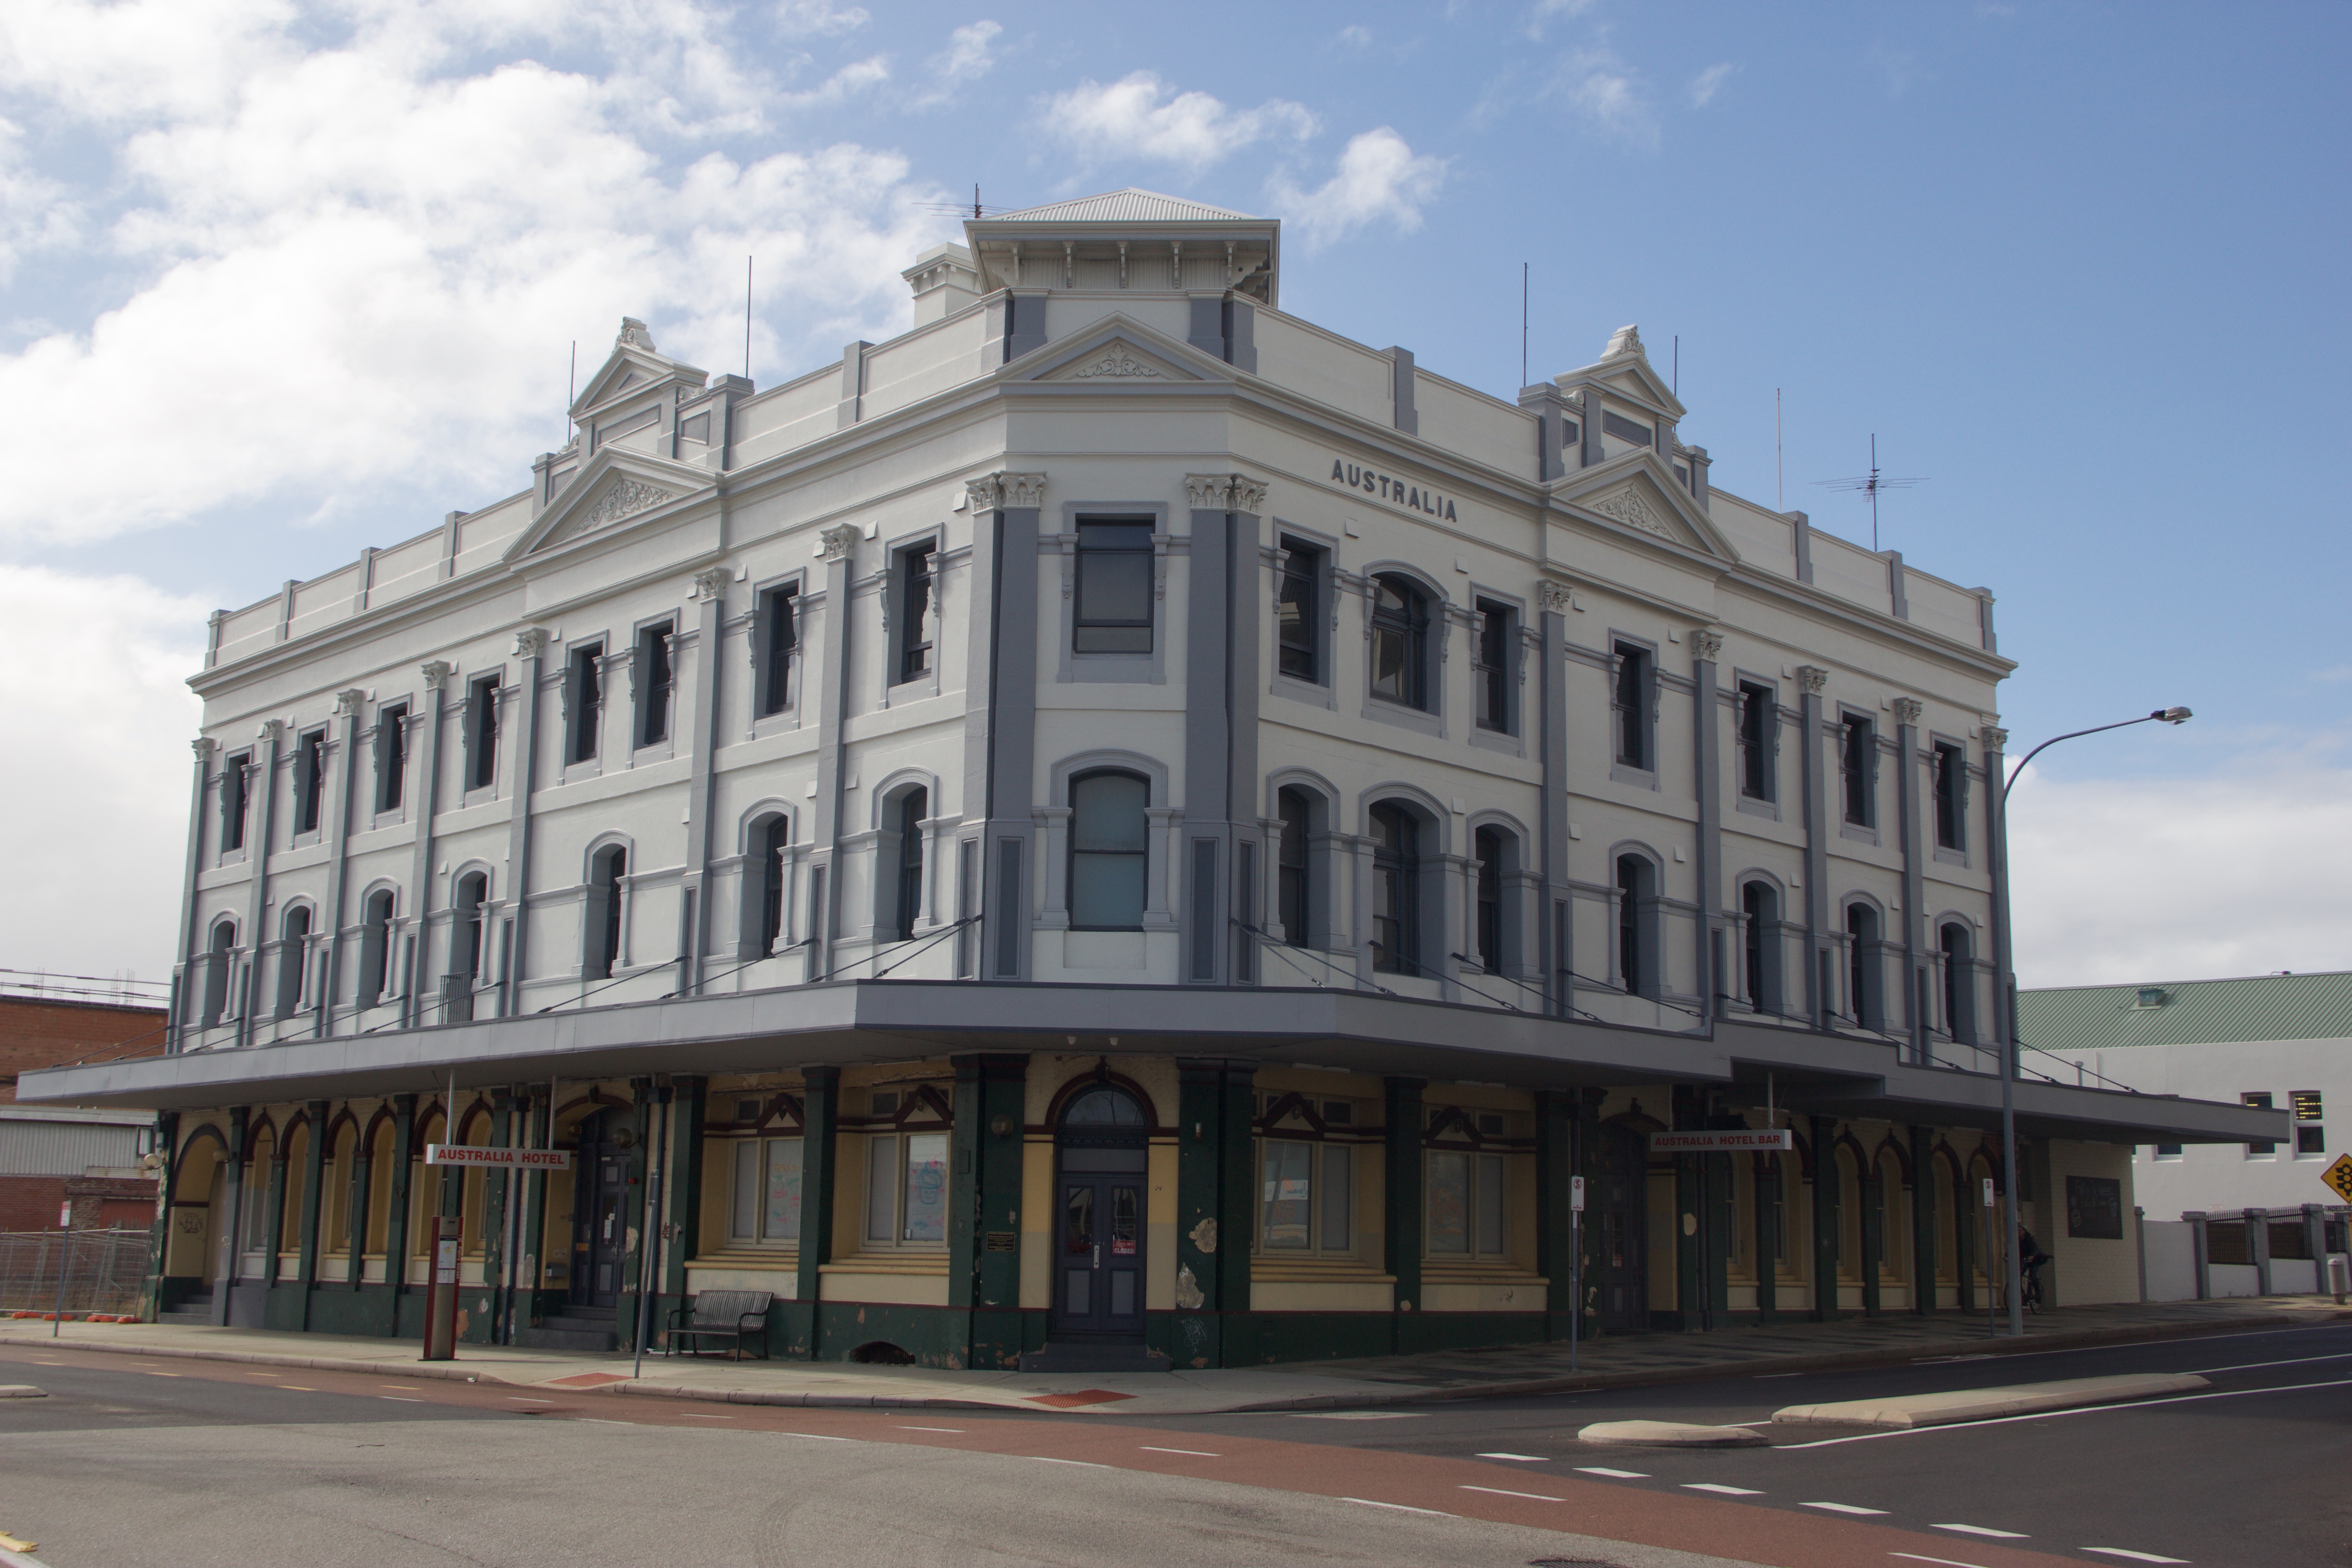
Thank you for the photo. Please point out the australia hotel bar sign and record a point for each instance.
(1394, 491)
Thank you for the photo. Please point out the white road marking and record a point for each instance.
(2134, 1556)
(2251, 1366)
(1619, 1475)
(1718, 1487)
(692, 1415)
(1498, 1491)
(2054, 1414)
(1762, 1375)
(1947, 1562)
(527, 1399)
(813, 1437)
(1196, 1453)
(602, 1421)
(1841, 1507)
(1522, 1458)
(398, 1399)
(1048, 1460)
(903, 1428)
(1401, 1508)
(1355, 1414)
(1980, 1529)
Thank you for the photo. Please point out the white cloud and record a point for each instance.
(371, 264)
(1379, 179)
(1356, 37)
(970, 55)
(1898, 68)
(1597, 84)
(2181, 879)
(99, 794)
(798, 18)
(1543, 13)
(1709, 82)
(1141, 116)
(2333, 674)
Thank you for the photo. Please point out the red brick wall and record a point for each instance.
(30, 1202)
(42, 1032)
(100, 1202)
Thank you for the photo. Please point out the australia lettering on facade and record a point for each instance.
(1396, 492)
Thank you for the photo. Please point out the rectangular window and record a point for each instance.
(1114, 588)
(766, 1205)
(1630, 706)
(391, 756)
(1755, 736)
(1858, 767)
(233, 802)
(778, 637)
(1297, 613)
(1466, 1195)
(1951, 796)
(309, 780)
(2260, 1146)
(482, 733)
(919, 628)
(1624, 429)
(1492, 667)
(2168, 1150)
(584, 683)
(2310, 1141)
(1307, 1197)
(2306, 1103)
(655, 678)
(905, 1189)
(2095, 1208)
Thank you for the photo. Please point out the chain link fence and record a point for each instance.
(99, 1270)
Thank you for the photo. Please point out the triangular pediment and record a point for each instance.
(1625, 370)
(613, 488)
(1636, 492)
(633, 368)
(1118, 352)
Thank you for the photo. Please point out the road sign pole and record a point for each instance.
(1984, 1226)
(1575, 1264)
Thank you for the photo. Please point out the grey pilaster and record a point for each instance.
(530, 651)
(1996, 770)
(1555, 907)
(1801, 544)
(1220, 714)
(851, 407)
(1811, 679)
(1706, 648)
(1007, 852)
(256, 857)
(702, 798)
(1407, 417)
(1240, 332)
(1907, 710)
(339, 833)
(1896, 586)
(420, 879)
(838, 547)
(1024, 323)
(203, 748)
(1826, 1219)
(232, 1248)
(1924, 1220)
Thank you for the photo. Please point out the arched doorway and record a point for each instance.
(1101, 1151)
(600, 1221)
(1617, 1201)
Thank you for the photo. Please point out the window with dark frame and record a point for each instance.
(1759, 905)
(1113, 610)
(293, 961)
(917, 611)
(914, 806)
(1109, 836)
(587, 678)
(604, 905)
(309, 780)
(1951, 796)
(391, 756)
(656, 678)
(774, 835)
(1400, 642)
(482, 733)
(1489, 847)
(2309, 1110)
(1297, 620)
(1861, 965)
(1960, 981)
(1636, 889)
(1491, 669)
(778, 637)
(375, 947)
(1630, 706)
(1396, 890)
(2261, 1100)
(1624, 429)
(1858, 769)
(1756, 726)
(1294, 895)
(234, 790)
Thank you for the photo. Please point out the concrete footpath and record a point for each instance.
(1496, 1372)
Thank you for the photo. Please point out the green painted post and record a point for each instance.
(233, 1185)
(1767, 1178)
(396, 1217)
(1237, 1213)
(819, 1115)
(314, 1181)
(355, 1213)
(1965, 1209)
(633, 1216)
(534, 1214)
(495, 1186)
(1923, 1222)
(1401, 1238)
(682, 1189)
(1825, 1220)
(1690, 1218)
(1555, 1229)
(1871, 1197)
(1198, 1336)
(985, 1207)
(167, 1143)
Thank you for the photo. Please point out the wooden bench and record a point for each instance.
(736, 1316)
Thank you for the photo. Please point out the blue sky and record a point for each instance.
(284, 280)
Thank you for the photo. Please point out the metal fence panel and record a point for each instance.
(101, 1271)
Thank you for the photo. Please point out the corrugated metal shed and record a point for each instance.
(2190, 1013)
(1129, 206)
(64, 1148)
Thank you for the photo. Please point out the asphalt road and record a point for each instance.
(136, 1460)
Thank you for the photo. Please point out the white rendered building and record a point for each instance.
(1116, 762)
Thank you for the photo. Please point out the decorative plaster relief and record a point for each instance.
(626, 498)
(713, 582)
(1995, 738)
(1706, 644)
(1628, 506)
(1555, 598)
(435, 671)
(531, 642)
(836, 542)
(1117, 365)
(1908, 709)
(348, 700)
(1813, 679)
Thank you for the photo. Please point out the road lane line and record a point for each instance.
(1841, 1507)
(1401, 1508)
(1196, 1453)
(412, 1387)
(1618, 1474)
(2135, 1556)
(298, 1388)
(815, 1436)
(903, 1428)
(2251, 1366)
(2053, 1414)
(1498, 1491)
(1522, 1458)
(1049, 1459)
(1947, 1562)
(694, 1416)
(1719, 1487)
(1980, 1529)
(527, 1399)
(396, 1399)
(153, 1374)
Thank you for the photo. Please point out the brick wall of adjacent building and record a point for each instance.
(42, 1032)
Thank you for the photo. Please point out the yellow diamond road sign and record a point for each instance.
(2339, 1176)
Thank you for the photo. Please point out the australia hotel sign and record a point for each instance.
(1393, 490)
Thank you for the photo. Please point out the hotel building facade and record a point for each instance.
(1118, 820)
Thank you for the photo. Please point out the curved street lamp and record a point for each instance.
(2005, 998)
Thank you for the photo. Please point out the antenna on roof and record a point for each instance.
(971, 209)
(1677, 382)
(1522, 324)
(1870, 484)
(747, 318)
(571, 382)
(1780, 466)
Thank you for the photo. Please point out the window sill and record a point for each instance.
(659, 752)
(1283, 1268)
(1501, 740)
(1639, 778)
(1754, 807)
(1857, 833)
(783, 720)
(907, 1262)
(1112, 669)
(1381, 711)
(1951, 857)
(1450, 1269)
(786, 1258)
(581, 773)
(1306, 692)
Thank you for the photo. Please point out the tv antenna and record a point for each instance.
(971, 209)
(1871, 484)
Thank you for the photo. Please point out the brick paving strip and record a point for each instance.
(1501, 1373)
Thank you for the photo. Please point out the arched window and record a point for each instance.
(219, 961)
(465, 930)
(603, 922)
(1637, 913)
(1863, 965)
(293, 958)
(907, 814)
(1396, 889)
(1295, 891)
(1759, 904)
(1496, 850)
(1894, 1219)
(1960, 981)
(1400, 641)
(769, 839)
(375, 947)
(1103, 1108)
(1108, 836)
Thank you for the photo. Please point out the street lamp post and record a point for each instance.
(2005, 999)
